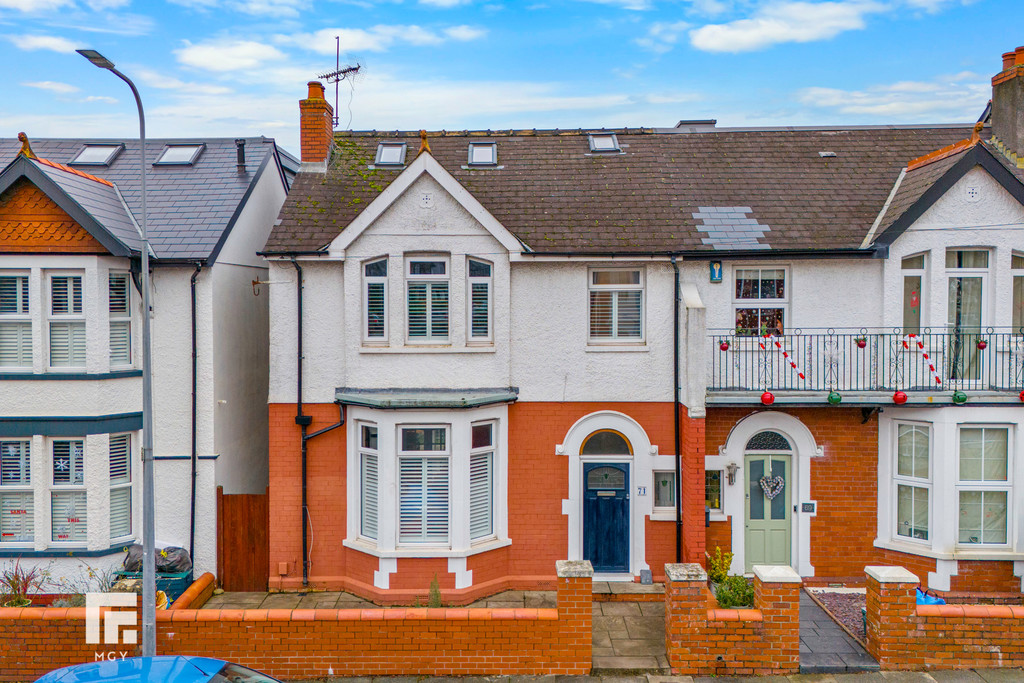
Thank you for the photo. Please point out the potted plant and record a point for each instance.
(730, 591)
(16, 584)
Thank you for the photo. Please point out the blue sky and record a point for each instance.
(238, 67)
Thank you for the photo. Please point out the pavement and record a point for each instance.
(629, 636)
(964, 676)
(825, 647)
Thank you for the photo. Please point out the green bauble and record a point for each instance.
(834, 398)
(959, 397)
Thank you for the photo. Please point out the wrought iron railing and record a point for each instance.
(847, 360)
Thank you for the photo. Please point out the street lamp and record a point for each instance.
(148, 516)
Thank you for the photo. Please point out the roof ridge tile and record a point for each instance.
(74, 171)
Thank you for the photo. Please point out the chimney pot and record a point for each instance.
(1008, 59)
(1018, 56)
(316, 90)
(240, 152)
(1008, 104)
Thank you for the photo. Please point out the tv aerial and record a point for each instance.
(338, 75)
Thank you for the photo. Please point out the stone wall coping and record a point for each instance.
(972, 611)
(23, 614)
(690, 571)
(574, 569)
(885, 574)
(776, 574)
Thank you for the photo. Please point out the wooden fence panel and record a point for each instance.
(243, 547)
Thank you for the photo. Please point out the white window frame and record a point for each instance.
(383, 281)
(20, 319)
(595, 148)
(759, 303)
(473, 146)
(71, 487)
(1015, 274)
(21, 489)
(429, 280)
(640, 286)
(915, 272)
(378, 158)
(472, 280)
(654, 490)
(59, 318)
(911, 481)
(721, 491)
(422, 456)
(126, 485)
(363, 453)
(970, 272)
(120, 317)
(491, 452)
(986, 486)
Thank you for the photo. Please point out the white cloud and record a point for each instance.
(100, 5)
(55, 43)
(625, 4)
(161, 81)
(273, 8)
(227, 55)
(34, 5)
(378, 38)
(444, 4)
(661, 37)
(784, 22)
(100, 98)
(52, 86)
(949, 98)
(933, 6)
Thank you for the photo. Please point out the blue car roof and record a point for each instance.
(171, 669)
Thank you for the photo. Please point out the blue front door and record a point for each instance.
(606, 516)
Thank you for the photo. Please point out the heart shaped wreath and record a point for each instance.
(772, 486)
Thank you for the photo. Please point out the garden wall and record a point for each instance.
(301, 644)
(725, 642)
(904, 635)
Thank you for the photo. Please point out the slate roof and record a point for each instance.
(669, 189)
(190, 208)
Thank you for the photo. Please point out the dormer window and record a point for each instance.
(483, 153)
(604, 142)
(179, 155)
(390, 154)
(97, 155)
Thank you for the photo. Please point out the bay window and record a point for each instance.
(479, 299)
(67, 497)
(913, 481)
(375, 302)
(119, 305)
(67, 322)
(427, 299)
(423, 485)
(369, 481)
(16, 495)
(481, 481)
(15, 322)
(120, 465)
(984, 485)
(616, 305)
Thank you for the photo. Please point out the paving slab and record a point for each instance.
(625, 663)
(1001, 675)
(907, 676)
(825, 648)
(540, 598)
(630, 647)
(958, 676)
(281, 601)
(652, 609)
(619, 609)
(871, 677)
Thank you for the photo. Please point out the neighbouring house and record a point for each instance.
(70, 341)
(494, 349)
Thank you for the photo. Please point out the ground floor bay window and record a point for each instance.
(950, 483)
(427, 483)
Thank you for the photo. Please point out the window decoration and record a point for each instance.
(427, 300)
(68, 497)
(760, 302)
(479, 300)
(119, 301)
(67, 322)
(15, 322)
(984, 485)
(616, 305)
(375, 283)
(17, 507)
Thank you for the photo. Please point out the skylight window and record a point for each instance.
(483, 153)
(180, 155)
(390, 154)
(97, 155)
(604, 142)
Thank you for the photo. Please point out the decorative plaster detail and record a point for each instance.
(386, 567)
(940, 578)
(463, 576)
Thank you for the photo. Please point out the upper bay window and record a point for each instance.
(119, 305)
(427, 299)
(15, 322)
(913, 294)
(616, 305)
(761, 301)
(479, 292)
(375, 302)
(68, 520)
(67, 322)
(17, 510)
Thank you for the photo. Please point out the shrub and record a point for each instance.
(735, 591)
(16, 584)
(434, 598)
(718, 565)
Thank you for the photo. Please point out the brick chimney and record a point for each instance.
(316, 124)
(1008, 105)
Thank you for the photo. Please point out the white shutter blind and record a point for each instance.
(369, 495)
(120, 342)
(479, 309)
(15, 463)
(120, 512)
(67, 344)
(121, 490)
(120, 319)
(68, 516)
(436, 517)
(417, 309)
(480, 495)
(13, 295)
(16, 517)
(375, 310)
(67, 462)
(601, 314)
(439, 309)
(423, 499)
(15, 345)
(118, 299)
(120, 459)
(66, 295)
(629, 314)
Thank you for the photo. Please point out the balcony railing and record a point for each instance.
(987, 360)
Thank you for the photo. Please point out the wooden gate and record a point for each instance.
(243, 547)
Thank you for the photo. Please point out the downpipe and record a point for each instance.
(195, 442)
(675, 412)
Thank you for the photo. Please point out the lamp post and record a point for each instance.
(148, 515)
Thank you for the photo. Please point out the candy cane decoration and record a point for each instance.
(924, 354)
(785, 354)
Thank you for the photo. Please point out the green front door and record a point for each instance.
(767, 515)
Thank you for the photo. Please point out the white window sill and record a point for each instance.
(663, 516)
(426, 551)
(960, 554)
(718, 516)
(426, 349)
(612, 347)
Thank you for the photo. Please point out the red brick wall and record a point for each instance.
(904, 635)
(721, 642)
(303, 644)
(538, 481)
(316, 124)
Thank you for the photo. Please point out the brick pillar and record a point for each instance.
(777, 595)
(693, 487)
(892, 612)
(316, 124)
(575, 613)
(686, 611)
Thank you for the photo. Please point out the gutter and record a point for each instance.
(709, 255)
(195, 443)
(675, 412)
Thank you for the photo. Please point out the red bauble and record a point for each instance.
(861, 343)
(982, 344)
(767, 398)
(899, 398)
(724, 346)
(1022, 397)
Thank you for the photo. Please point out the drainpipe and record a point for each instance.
(675, 412)
(195, 447)
(303, 421)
